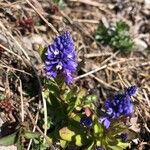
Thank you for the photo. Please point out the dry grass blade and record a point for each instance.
(91, 55)
(7, 32)
(34, 128)
(88, 2)
(11, 52)
(14, 69)
(22, 103)
(102, 82)
(48, 23)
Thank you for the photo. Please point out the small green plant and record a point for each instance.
(69, 116)
(116, 36)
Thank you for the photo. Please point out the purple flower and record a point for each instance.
(124, 137)
(61, 58)
(86, 121)
(99, 148)
(120, 105)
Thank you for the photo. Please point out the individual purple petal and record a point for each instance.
(105, 121)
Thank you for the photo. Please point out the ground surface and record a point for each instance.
(27, 25)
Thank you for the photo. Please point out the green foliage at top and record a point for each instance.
(116, 36)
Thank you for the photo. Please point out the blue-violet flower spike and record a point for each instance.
(131, 90)
(86, 121)
(119, 105)
(61, 58)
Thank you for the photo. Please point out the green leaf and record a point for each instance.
(73, 134)
(90, 99)
(9, 140)
(51, 87)
(75, 100)
(75, 117)
(72, 105)
(63, 144)
(116, 128)
(90, 147)
(71, 93)
(123, 144)
(112, 141)
(56, 110)
(117, 145)
(31, 135)
(19, 143)
(114, 147)
(78, 140)
(41, 50)
(98, 129)
(66, 134)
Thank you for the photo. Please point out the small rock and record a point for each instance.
(140, 44)
(37, 39)
(147, 3)
(41, 28)
(12, 147)
(3, 39)
(27, 42)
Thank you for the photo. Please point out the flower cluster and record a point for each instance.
(120, 105)
(61, 58)
(86, 121)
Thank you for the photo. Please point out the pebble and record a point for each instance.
(140, 44)
(147, 4)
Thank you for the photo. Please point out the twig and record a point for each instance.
(89, 2)
(109, 58)
(11, 52)
(102, 82)
(36, 120)
(45, 114)
(100, 68)
(87, 21)
(21, 98)
(11, 68)
(7, 88)
(10, 4)
(90, 72)
(7, 32)
(146, 98)
(91, 55)
(48, 23)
